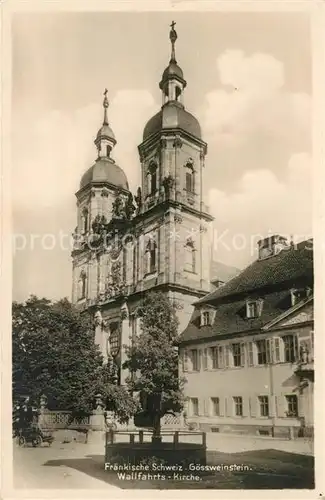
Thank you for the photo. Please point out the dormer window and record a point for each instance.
(207, 317)
(298, 294)
(253, 308)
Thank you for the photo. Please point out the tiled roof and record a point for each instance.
(222, 272)
(287, 265)
(269, 280)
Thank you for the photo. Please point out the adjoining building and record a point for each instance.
(159, 239)
(248, 351)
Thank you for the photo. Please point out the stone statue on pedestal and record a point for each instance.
(98, 318)
(304, 353)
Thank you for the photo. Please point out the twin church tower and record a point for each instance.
(155, 239)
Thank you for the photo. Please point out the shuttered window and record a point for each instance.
(215, 405)
(250, 353)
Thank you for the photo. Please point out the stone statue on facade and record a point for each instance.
(118, 208)
(124, 311)
(304, 353)
(129, 207)
(98, 318)
(168, 183)
(138, 200)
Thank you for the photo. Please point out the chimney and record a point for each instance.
(271, 246)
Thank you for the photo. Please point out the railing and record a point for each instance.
(143, 436)
(61, 420)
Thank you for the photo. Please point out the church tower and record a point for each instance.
(172, 156)
(158, 240)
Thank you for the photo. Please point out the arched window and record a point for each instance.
(152, 178)
(190, 257)
(82, 285)
(84, 221)
(151, 254)
(189, 176)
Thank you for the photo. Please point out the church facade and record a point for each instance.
(158, 239)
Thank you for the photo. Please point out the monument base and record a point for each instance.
(96, 437)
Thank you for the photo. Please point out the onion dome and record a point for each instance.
(105, 170)
(173, 114)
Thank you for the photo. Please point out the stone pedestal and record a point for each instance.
(96, 437)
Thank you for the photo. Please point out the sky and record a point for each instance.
(248, 82)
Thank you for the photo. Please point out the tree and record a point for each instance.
(54, 354)
(153, 361)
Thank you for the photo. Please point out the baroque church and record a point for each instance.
(158, 239)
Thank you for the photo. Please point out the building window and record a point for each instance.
(205, 318)
(190, 260)
(250, 353)
(82, 286)
(298, 294)
(190, 182)
(205, 359)
(217, 357)
(194, 407)
(151, 252)
(189, 176)
(195, 360)
(238, 406)
(237, 354)
(152, 179)
(85, 221)
(276, 350)
(252, 309)
(185, 360)
(290, 348)
(292, 405)
(263, 351)
(215, 403)
(264, 406)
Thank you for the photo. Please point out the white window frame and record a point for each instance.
(260, 405)
(205, 358)
(249, 313)
(295, 348)
(194, 405)
(185, 359)
(288, 414)
(215, 402)
(193, 368)
(251, 353)
(235, 403)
